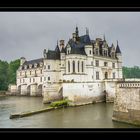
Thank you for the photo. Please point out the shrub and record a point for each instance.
(59, 103)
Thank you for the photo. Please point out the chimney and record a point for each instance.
(22, 60)
(74, 37)
(61, 44)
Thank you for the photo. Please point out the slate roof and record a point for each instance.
(33, 61)
(63, 50)
(53, 55)
(118, 49)
(57, 48)
(78, 51)
(37, 61)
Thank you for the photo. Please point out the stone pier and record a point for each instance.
(33, 90)
(23, 89)
(52, 92)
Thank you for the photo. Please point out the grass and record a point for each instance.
(60, 103)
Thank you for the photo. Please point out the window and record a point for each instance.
(78, 66)
(49, 78)
(73, 63)
(97, 75)
(106, 75)
(105, 53)
(40, 79)
(41, 71)
(97, 63)
(113, 54)
(105, 64)
(113, 75)
(30, 72)
(90, 52)
(48, 67)
(30, 80)
(25, 73)
(82, 66)
(68, 66)
(91, 63)
(35, 72)
(96, 51)
(44, 78)
(33, 79)
(20, 73)
(113, 65)
(23, 80)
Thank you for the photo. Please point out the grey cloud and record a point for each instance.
(28, 33)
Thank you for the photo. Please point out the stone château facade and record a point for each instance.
(82, 70)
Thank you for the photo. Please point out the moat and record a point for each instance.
(89, 116)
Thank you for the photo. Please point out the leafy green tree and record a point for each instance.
(8, 73)
(131, 72)
(3, 75)
(13, 66)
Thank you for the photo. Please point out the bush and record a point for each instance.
(59, 103)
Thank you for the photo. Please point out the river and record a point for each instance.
(88, 116)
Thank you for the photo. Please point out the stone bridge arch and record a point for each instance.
(22, 89)
(40, 90)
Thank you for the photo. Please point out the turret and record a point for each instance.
(118, 52)
(22, 60)
(119, 57)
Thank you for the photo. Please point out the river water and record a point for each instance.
(88, 116)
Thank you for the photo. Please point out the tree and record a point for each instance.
(3, 75)
(13, 66)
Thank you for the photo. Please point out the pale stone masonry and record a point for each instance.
(127, 102)
(82, 70)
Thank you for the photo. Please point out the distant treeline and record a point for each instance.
(131, 72)
(8, 73)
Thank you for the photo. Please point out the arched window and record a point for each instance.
(68, 66)
(73, 63)
(78, 66)
(82, 66)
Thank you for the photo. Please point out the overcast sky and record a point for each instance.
(29, 33)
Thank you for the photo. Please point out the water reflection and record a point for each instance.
(90, 116)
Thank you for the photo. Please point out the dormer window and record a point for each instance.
(96, 51)
(20, 67)
(113, 54)
(41, 64)
(25, 67)
(35, 65)
(30, 66)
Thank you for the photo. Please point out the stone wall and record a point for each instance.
(84, 93)
(127, 103)
(52, 92)
(12, 90)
